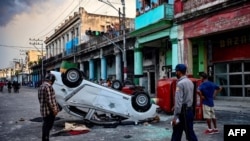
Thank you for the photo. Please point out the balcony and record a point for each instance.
(188, 10)
(154, 20)
(94, 44)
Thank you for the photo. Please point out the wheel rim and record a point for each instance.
(73, 76)
(142, 100)
(116, 85)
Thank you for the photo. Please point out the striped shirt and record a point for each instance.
(47, 100)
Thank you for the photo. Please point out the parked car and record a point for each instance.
(97, 104)
(127, 87)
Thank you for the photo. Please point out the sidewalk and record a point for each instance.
(234, 104)
(228, 111)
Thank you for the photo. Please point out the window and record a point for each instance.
(221, 80)
(247, 66)
(235, 79)
(247, 79)
(247, 92)
(235, 67)
(221, 68)
(162, 1)
(236, 92)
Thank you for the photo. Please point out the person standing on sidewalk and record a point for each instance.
(183, 112)
(48, 105)
(9, 85)
(207, 91)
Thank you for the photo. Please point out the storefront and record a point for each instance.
(231, 62)
(220, 45)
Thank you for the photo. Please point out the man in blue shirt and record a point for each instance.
(207, 91)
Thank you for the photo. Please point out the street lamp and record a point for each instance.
(124, 51)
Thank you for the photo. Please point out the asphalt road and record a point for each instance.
(20, 120)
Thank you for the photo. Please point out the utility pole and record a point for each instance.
(35, 42)
(124, 51)
(124, 42)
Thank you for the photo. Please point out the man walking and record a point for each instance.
(183, 112)
(207, 91)
(48, 105)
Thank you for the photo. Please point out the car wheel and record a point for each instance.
(117, 85)
(72, 77)
(141, 101)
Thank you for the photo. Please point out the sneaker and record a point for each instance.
(216, 130)
(209, 131)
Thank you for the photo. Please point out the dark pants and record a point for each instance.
(48, 122)
(186, 125)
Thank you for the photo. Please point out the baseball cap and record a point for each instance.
(50, 77)
(181, 67)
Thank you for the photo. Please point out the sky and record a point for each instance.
(21, 20)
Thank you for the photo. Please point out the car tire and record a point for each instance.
(141, 101)
(72, 77)
(117, 85)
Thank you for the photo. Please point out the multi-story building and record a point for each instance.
(5, 74)
(15, 73)
(33, 60)
(207, 35)
(156, 48)
(215, 38)
(94, 42)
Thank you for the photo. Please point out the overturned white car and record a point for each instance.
(98, 104)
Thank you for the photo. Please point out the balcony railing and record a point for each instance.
(161, 12)
(95, 43)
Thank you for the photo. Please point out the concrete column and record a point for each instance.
(138, 62)
(104, 68)
(91, 69)
(63, 45)
(149, 82)
(47, 50)
(52, 49)
(56, 47)
(118, 70)
(174, 55)
(70, 35)
(81, 66)
(59, 46)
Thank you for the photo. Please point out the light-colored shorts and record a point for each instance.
(208, 112)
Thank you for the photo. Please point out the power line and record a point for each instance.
(65, 17)
(12, 46)
(99, 8)
(54, 20)
(115, 4)
(86, 3)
